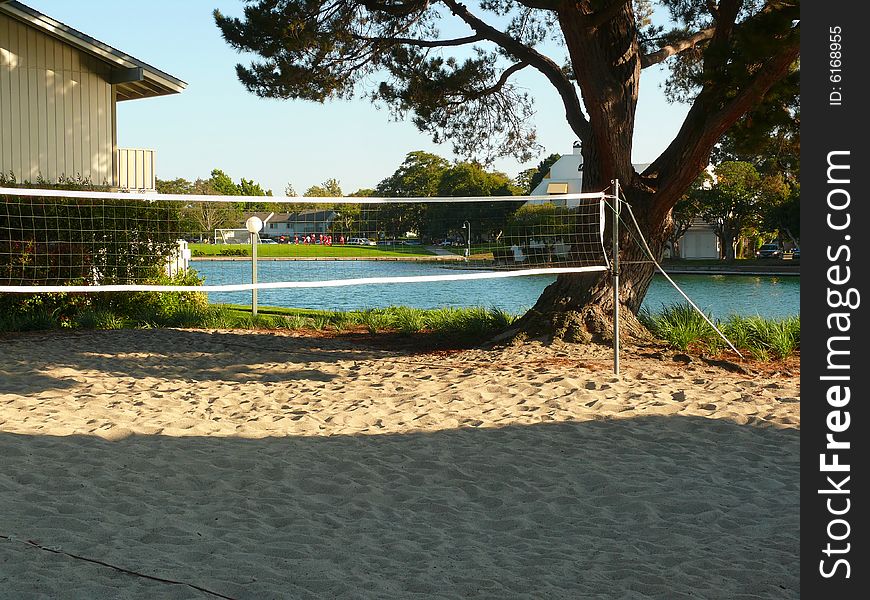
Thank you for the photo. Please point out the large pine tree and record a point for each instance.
(725, 57)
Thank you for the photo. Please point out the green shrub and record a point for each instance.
(40, 319)
(375, 320)
(235, 252)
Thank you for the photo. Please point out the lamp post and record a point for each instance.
(254, 225)
(467, 225)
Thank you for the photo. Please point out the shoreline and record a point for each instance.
(671, 269)
(772, 269)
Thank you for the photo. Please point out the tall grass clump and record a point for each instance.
(291, 322)
(681, 326)
(764, 338)
(408, 320)
(98, 318)
(375, 320)
(40, 319)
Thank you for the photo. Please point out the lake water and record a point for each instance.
(721, 295)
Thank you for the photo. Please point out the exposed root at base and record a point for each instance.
(590, 324)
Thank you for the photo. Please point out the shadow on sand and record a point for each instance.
(654, 507)
(164, 353)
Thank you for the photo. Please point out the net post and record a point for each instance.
(254, 274)
(615, 272)
(254, 225)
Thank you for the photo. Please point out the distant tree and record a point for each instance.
(471, 179)
(205, 217)
(222, 184)
(248, 187)
(419, 175)
(523, 180)
(208, 216)
(328, 189)
(486, 218)
(736, 202)
(363, 193)
(174, 186)
(289, 190)
(785, 216)
(688, 209)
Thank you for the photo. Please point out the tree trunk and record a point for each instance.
(579, 307)
(606, 61)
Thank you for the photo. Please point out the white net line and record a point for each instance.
(85, 241)
(153, 196)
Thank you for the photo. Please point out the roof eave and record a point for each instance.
(151, 81)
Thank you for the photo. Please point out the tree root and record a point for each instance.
(589, 325)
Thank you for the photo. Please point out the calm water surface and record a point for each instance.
(721, 295)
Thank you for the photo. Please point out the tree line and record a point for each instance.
(421, 174)
(750, 196)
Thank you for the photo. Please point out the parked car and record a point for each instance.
(267, 241)
(769, 251)
(796, 254)
(361, 242)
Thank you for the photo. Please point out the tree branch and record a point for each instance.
(571, 101)
(705, 125)
(665, 52)
(396, 9)
(501, 81)
(390, 41)
(552, 5)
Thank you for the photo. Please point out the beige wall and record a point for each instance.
(57, 113)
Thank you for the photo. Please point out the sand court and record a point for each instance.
(261, 465)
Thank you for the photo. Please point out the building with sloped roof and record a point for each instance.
(59, 89)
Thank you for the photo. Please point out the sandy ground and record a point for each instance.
(260, 465)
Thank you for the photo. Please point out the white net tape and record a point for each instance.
(55, 240)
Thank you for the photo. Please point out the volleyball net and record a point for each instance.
(54, 240)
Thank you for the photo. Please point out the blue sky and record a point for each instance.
(215, 122)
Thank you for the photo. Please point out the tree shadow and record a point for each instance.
(652, 507)
(235, 356)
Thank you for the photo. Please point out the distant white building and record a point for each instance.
(566, 177)
(699, 241)
(302, 222)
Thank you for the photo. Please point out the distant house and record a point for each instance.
(302, 222)
(566, 177)
(699, 242)
(58, 91)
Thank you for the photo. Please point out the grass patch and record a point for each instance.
(681, 327)
(462, 323)
(99, 319)
(765, 338)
